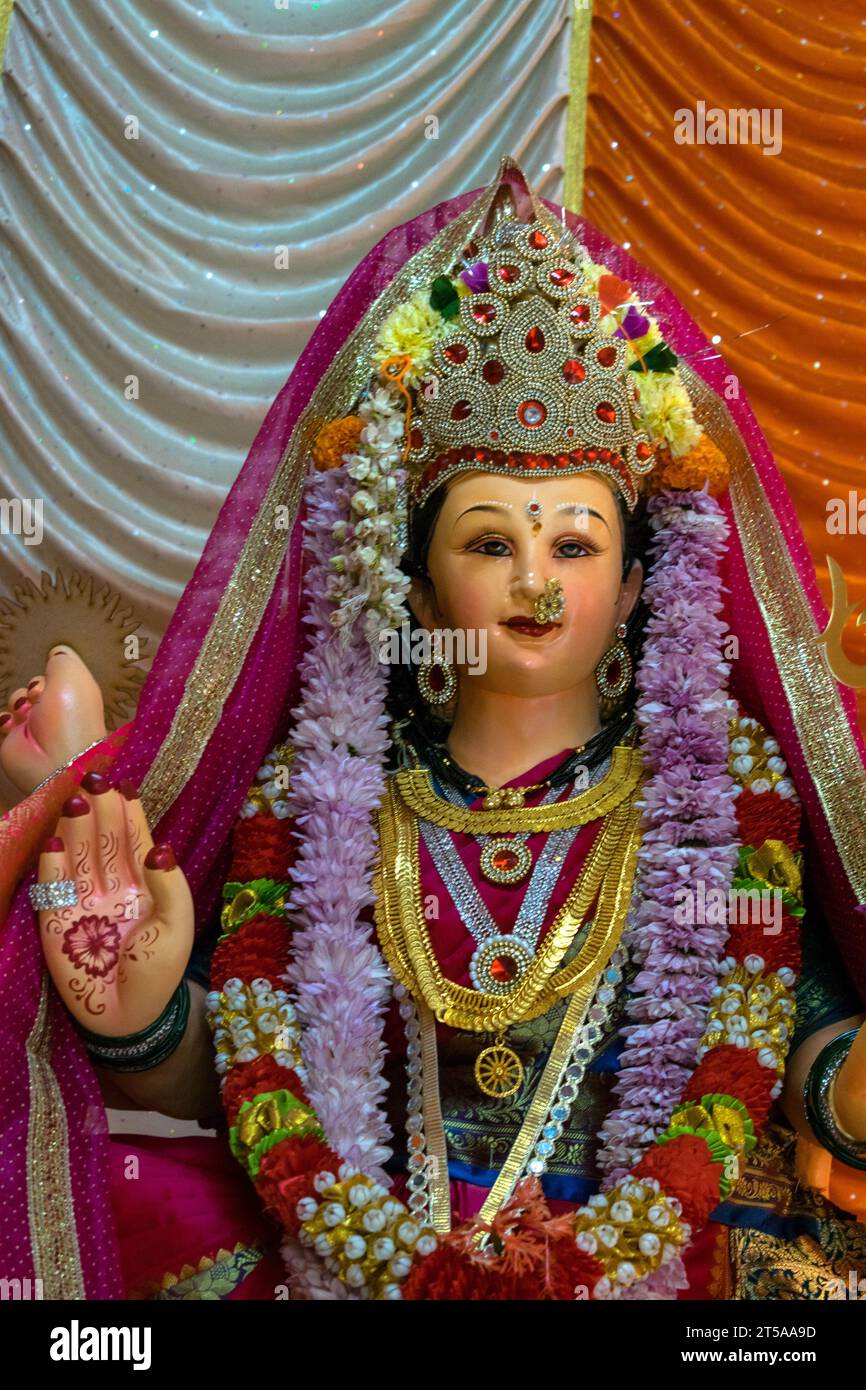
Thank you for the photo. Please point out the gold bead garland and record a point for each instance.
(250, 1021)
(751, 1009)
(364, 1235)
(630, 1230)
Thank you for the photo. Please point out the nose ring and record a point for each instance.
(550, 605)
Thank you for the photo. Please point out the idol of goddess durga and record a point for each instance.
(537, 980)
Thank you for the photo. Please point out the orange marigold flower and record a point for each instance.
(704, 461)
(335, 439)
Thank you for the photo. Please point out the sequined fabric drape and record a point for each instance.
(744, 238)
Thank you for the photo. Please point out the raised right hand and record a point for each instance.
(117, 956)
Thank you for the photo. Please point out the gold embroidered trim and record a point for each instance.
(247, 593)
(832, 757)
(406, 944)
(576, 111)
(50, 1211)
(434, 1128)
(619, 782)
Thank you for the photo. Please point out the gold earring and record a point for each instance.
(550, 606)
(620, 656)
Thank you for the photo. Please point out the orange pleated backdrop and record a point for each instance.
(745, 238)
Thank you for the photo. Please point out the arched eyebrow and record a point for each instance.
(487, 507)
(580, 507)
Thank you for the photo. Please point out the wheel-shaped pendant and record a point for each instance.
(498, 1071)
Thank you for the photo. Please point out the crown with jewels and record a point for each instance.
(527, 376)
(522, 357)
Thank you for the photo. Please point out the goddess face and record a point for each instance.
(496, 543)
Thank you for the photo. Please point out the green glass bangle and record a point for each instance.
(148, 1048)
(819, 1110)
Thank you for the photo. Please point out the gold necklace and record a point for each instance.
(616, 905)
(416, 790)
(402, 927)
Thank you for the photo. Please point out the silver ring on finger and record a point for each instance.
(59, 893)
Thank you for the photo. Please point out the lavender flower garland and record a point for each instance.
(340, 739)
(689, 823)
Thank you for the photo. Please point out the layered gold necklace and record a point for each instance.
(607, 875)
(400, 919)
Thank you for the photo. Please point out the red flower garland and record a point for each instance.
(767, 816)
(684, 1169)
(262, 847)
(261, 949)
(734, 1071)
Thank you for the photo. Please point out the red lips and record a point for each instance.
(529, 626)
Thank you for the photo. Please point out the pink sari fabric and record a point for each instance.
(199, 822)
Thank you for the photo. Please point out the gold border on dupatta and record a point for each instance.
(242, 606)
(50, 1210)
(831, 754)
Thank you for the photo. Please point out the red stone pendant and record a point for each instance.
(503, 969)
(505, 861)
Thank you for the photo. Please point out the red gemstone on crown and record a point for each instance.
(591, 455)
(643, 451)
(538, 241)
(562, 460)
(579, 313)
(508, 274)
(532, 414)
(457, 352)
(461, 410)
(606, 356)
(503, 969)
(562, 277)
(606, 412)
(416, 439)
(484, 313)
(493, 371)
(573, 370)
(535, 340)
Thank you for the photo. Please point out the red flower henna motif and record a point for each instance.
(93, 945)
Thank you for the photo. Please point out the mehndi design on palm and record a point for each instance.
(117, 954)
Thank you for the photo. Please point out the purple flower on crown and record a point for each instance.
(476, 277)
(634, 325)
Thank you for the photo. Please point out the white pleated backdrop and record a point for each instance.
(153, 157)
